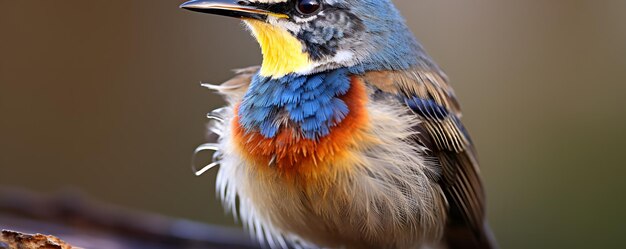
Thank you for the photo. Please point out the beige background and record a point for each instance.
(104, 97)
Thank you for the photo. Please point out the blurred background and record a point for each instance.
(103, 98)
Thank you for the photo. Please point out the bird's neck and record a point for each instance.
(282, 52)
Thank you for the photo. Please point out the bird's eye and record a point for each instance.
(308, 7)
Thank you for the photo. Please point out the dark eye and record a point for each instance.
(308, 7)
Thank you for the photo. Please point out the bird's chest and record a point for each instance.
(359, 184)
(299, 126)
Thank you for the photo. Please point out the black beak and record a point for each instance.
(232, 8)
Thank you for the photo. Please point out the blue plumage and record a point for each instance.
(427, 108)
(311, 102)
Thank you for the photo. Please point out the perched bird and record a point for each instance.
(347, 136)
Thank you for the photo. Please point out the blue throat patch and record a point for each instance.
(310, 102)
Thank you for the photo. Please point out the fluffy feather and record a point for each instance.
(428, 95)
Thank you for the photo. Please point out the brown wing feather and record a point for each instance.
(448, 142)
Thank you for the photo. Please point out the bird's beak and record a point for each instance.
(232, 8)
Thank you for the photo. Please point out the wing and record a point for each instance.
(427, 94)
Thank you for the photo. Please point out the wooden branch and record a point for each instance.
(90, 224)
(17, 240)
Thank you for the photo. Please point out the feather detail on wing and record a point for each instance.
(427, 94)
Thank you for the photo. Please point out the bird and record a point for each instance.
(348, 135)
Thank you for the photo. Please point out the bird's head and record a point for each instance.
(309, 36)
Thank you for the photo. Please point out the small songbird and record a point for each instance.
(347, 136)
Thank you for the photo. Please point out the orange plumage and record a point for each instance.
(296, 156)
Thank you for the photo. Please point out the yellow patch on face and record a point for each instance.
(282, 52)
